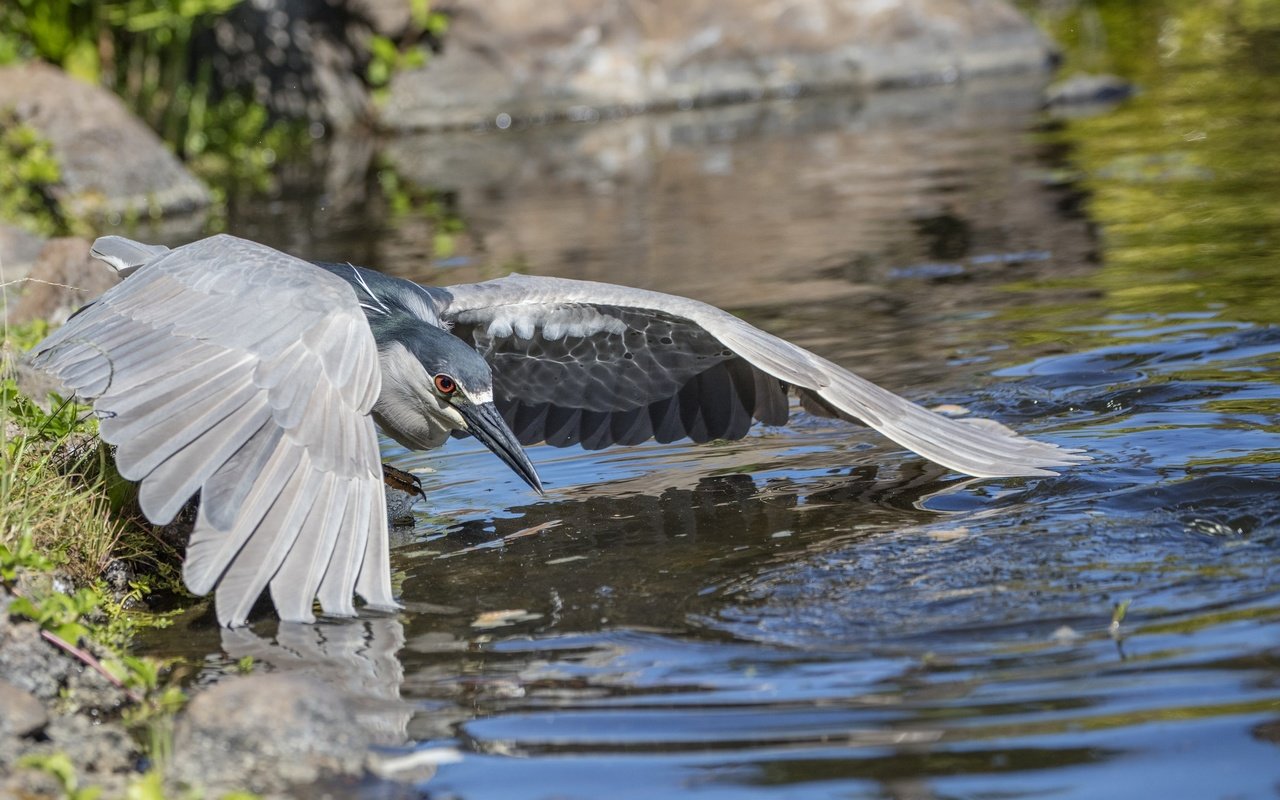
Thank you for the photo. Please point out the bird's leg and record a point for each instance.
(402, 481)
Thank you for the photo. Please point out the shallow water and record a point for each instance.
(812, 612)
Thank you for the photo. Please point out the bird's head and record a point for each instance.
(431, 376)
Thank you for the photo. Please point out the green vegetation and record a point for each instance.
(386, 57)
(60, 767)
(1183, 179)
(28, 175)
(62, 512)
(139, 49)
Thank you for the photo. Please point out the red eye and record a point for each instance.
(445, 384)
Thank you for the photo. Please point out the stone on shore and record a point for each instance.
(526, 59)
(111, 163)
(265, 733)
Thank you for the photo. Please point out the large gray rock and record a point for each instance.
(112, 164)
(265, 733)
(528, 59)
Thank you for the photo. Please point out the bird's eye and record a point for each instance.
(445, 384)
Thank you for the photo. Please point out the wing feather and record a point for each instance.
(339, 581)
(294, 585)
(260, 558)
(561, 346)
(226, 368)
(168, 486)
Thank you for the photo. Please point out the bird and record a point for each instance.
(257, 380)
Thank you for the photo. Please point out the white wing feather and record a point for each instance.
(229, 368)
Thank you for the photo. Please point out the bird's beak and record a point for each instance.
(486, 424)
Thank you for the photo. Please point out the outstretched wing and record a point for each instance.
(228, 368)
(593, 364)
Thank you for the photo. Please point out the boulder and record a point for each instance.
(506, 60)
(301, 59)
(265, 733)
(111, 163)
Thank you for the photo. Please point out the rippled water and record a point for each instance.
(811, 612)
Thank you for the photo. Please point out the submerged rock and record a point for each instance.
(111, 163)
(1083, 90)
(505, 60)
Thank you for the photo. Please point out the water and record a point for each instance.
(811, 612)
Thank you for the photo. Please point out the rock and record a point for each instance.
(18, 251)
(36, 679)
(390, 18)
(28, 784)
(574, 59)
(302, 59)
(30, 663)
(111, 163)
(96, 747)
(35, 665)
(21, 713)
(1080, 90)
(265, 733)
(105, 757)
(64, 278)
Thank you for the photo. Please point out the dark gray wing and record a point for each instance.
(228, 368)
(593, 364)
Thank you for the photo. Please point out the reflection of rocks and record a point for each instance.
(356, 659)
(1086, 95)
(111, 163)
(537, 60)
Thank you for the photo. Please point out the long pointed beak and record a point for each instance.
(486, 424)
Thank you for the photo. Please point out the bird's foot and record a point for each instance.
(402, 481)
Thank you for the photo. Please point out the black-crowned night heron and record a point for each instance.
(255, 378)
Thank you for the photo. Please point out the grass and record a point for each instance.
(65, 516)
(55, 486)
